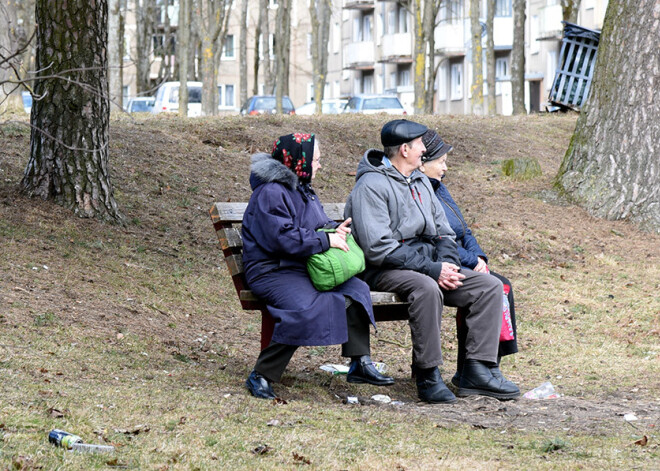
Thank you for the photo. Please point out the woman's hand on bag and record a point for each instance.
(481, 266)
(343, 228)
(338, 241)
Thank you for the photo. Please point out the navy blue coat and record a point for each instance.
(468, 248)
(279, 233)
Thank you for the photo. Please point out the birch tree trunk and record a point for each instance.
(490, 58)
(612, 166)
(114, 56)
(320, 12)
(431, 9)
(268, 65)
(477, 87)
(69, 140)
(518, 58)
(183, 53)
(242, 54)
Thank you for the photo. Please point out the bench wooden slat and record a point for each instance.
(230, 238)
(235, 264)
(378, 298)
(227, 212)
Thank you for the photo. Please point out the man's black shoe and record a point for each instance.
(477, 379)
(259, 386)
(431, 388)
(456, 379)
(362, 370)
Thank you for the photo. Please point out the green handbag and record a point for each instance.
(334, 266)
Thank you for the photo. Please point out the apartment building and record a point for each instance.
(370, 50)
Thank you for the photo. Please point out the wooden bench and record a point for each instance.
(387, 306)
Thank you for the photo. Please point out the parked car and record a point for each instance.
(330, 106)
(167, 98)
(27, 101)
(261, 104)
(373, 104)
(140, 104)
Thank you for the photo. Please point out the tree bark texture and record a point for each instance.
(612, 166)
(282, 42)
(431, 9)
(490, 58)
(242, 54)
(144, 18)
(570, 9)
(477, 87)
(320, 12)
(518, 58)
(69, 140)
(268, 66)
(212, 18)
(182, 50)
(114, 56)
(419, 55)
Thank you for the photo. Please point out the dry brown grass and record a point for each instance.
(140, 325)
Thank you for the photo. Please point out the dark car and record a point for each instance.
(265, 104)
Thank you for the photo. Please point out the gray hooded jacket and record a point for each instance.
(398, 221)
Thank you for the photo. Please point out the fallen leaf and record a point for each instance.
(642, 441)
(134, 430)
(120, 336)
(182, 420)
(279, 400)
(56, 413)
(261, 450)
(300, 458)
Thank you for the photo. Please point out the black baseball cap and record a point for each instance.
(400, 131)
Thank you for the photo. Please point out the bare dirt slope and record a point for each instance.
(161, 276)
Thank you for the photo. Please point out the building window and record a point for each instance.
(228, 47)
(367, 21)
(451, 11)
(403, 20)
(404, 76)
(502, 7)
(442, 82)
(226, 97)
(457, 81)
(309, 45)
(534, 46)
(393, 80)
(550, 69)
(501, 73)
(391, 21)
(367, 82)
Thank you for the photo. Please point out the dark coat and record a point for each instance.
(279, 233)
(468, 248)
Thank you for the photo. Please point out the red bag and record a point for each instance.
(507, 327)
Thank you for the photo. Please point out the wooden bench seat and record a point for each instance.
(227, 216)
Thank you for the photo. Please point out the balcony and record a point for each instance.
(450, 39)
(359, 55)
(359, 4)
(550, 26)
(397, 48)
(503, 37)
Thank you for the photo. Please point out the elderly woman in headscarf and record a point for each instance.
(434, 165)
(280, 231)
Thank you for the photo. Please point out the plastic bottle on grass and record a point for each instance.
(73, 442)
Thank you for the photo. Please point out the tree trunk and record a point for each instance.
(320, 12)
(268, 66)
(114, 56)
(490, 58)
(419, 55)
(69, 140)
(258, 50)
(570, 9)
(182, 52)
(612, 166)
(430, 14)
(242, 54)
(144, 19)
(477, 88)
(11, 43)
(518, 58)
(283, 21)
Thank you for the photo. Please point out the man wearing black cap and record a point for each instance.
(410, 250)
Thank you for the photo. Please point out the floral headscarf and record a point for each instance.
(296, 152)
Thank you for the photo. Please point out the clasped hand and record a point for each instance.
(450, 278)
(338, 238)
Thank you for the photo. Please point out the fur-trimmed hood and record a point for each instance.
(265, 169)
